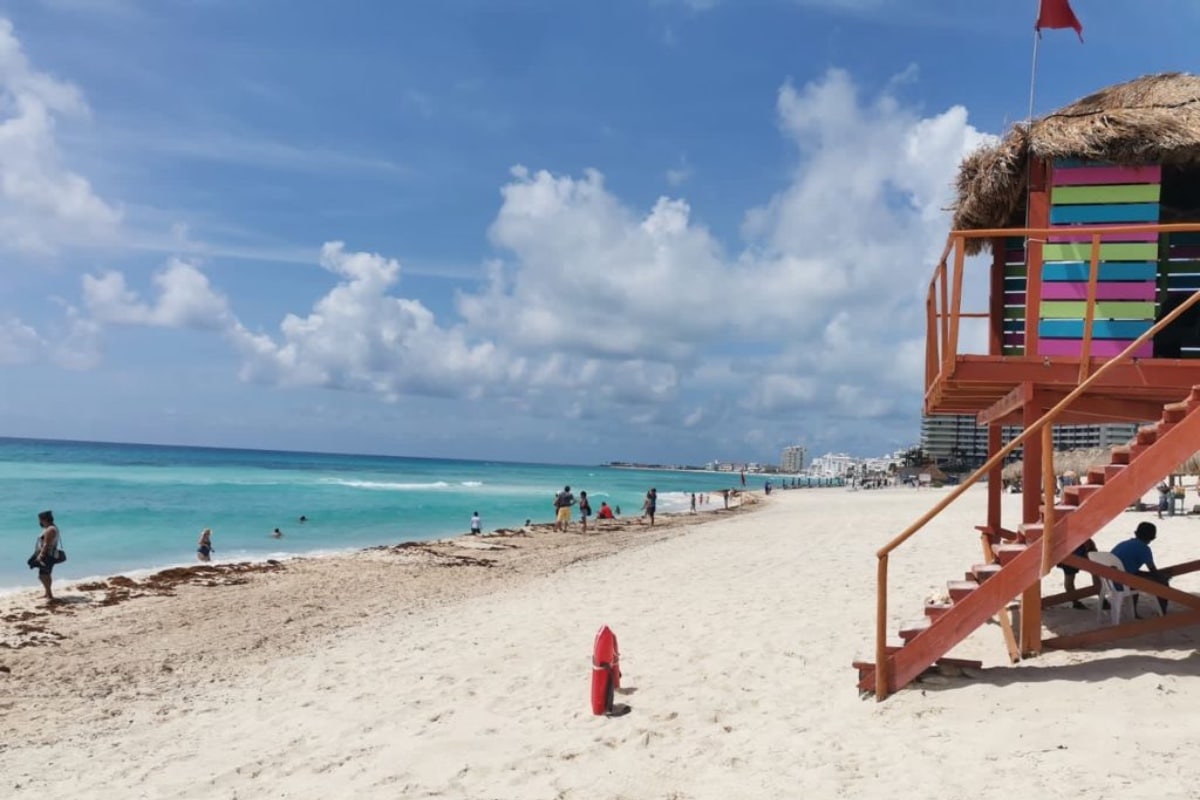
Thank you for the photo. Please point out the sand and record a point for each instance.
(410, 672)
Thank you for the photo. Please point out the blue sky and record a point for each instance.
(551, 230)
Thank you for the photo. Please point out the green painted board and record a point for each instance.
(1016, 271)
(1014, 312)
(1132, 193)
(1115, 309)
(1013, 351)
(1082, 251)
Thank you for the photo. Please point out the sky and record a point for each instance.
(528, 230)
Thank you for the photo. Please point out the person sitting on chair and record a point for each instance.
(1070, 572)
(1135, 553)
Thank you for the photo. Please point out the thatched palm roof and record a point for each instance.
(1151, 120)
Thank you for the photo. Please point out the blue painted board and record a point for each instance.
(1101, 328)
(1108, 212)
(1108, 271)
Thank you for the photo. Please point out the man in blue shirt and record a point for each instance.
(1135, 553)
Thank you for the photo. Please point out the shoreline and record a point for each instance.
(498, 558)
(461, 669)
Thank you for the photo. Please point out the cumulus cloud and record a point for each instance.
(43, 204)
(593, 308)
(185, 299)
(825, 296)
(360, 337)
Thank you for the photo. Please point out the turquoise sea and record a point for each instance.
(128, 508)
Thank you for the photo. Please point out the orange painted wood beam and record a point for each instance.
(1011, 403)
(1125, 631)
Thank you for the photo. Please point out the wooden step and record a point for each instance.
(1147, 434)
(981, 572)
(1007, 552)
(1098, 476)
(933, 610)
(960, 589)
(911, 630)
(1077, 495)
(1121, 454)
(1163, 427)
(1136, 450)
(1175, 412)
(1032, 531)
(1060, 510)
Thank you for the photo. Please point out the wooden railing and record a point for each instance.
(944, 350)
(944, 311)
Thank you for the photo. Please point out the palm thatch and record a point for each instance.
(1076, 461)
(1080, 461)
(1154, 119)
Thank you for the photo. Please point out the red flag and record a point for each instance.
(1057, 14)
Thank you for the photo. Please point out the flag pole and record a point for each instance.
(1037, 35)
(1033, 75)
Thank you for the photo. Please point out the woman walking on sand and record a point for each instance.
(45, 556)
(651, 504)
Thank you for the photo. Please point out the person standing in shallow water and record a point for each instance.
(651, 504)
(47, 550)
(204, 547)
(476, 524)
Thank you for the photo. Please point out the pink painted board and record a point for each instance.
(1014, 256)
(1014, 298)
(1101, 348)
(1105, 290)
(1057, 238)
(1012, 339)
(1091, 176)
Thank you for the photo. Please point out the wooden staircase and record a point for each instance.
(987, 589)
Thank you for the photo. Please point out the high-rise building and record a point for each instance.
(958, 438)
(793, 458)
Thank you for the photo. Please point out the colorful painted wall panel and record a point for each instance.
(1083, 193)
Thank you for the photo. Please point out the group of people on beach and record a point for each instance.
(565, 500)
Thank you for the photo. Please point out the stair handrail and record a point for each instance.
(882, 554)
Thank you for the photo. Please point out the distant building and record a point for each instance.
(831, 465)
(957, 437)
(793, 459)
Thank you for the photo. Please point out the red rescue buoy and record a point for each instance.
(606, 670)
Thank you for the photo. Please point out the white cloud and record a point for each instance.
(359, 337)
(679, 175)
(185, 300)
(604, 311)
(42, 203)
(19, 343)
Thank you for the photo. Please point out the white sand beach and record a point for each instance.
(386, 675)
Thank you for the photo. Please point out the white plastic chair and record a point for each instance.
(1114, 596)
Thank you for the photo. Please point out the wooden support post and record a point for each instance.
(1031, 487)
(995, 479)
(1039, 216)
(1031, 460)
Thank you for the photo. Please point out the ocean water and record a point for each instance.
(128, 508)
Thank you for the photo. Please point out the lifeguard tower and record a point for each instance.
(1089, 219)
